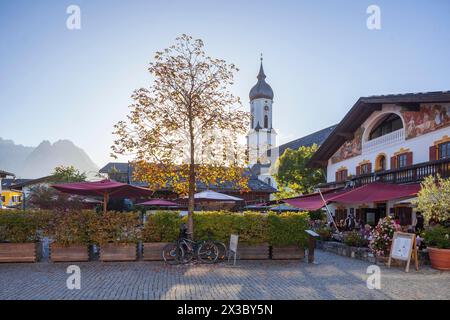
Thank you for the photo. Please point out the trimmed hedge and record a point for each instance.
(253, 227)
(22, 227)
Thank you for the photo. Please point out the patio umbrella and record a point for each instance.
(104, 188)
(159, 203)
(215, 196)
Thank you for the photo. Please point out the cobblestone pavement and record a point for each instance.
(334, 277)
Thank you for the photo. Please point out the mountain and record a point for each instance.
(29, 162)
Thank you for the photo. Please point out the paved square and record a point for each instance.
(334, 277)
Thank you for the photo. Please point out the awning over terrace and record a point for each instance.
(104, 188)
(373, 192)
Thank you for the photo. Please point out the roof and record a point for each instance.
(314, 138)
(254, 183)
(361, 110)
(6, 183)
(29, 182)
(5, 173)
(261, 89)
(212, 195)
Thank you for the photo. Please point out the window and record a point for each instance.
(266, 121)
(444, 150)
(341, 175)
(253, 118)
(402, 160)
(390, 123)
(380, 163)
(365, 168)
(404, 215)
(340, 215)
(3, 199)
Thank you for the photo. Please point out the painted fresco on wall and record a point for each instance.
(349, 149)
(428, 119)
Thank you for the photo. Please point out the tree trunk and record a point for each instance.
(191, 203)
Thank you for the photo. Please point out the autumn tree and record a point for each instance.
(292, 174)
(186, 127)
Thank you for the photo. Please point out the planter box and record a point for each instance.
(288, 253)
(59, 253)
(118, 252)
(440, 258)
(19, 252)
(253, 252)
(152, 250)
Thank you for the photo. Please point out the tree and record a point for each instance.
(64, 174)
(292, 174)
(185, 128)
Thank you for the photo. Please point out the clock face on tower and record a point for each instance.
(266, 108)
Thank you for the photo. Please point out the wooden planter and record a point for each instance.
(152, 250)
(118, 252)
(19, 252)
(60, 253)
(439, 258)
(288, 253)
(253, 252)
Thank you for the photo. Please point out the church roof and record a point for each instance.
(261, 89)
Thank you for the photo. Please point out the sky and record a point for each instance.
(319, 58)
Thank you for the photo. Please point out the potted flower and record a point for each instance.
(19, 236)
(70, 236)
(434, 203)
(117, 234)
(381, 237)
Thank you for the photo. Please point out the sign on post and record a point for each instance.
(233, 246)
(404, 248)
(311, 244)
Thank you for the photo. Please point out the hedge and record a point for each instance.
(87, 227)
(252, 227)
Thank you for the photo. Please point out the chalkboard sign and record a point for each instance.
(404, 248)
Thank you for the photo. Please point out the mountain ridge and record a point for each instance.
(36, 162)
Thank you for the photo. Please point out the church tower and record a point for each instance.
(261, 137)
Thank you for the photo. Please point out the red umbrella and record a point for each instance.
(159, 203)
(104, 188)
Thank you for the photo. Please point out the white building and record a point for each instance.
(392, 139)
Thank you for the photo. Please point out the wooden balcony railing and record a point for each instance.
(410, 174)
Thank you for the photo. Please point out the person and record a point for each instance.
(350, 222)
(419, 222)
(366, 232)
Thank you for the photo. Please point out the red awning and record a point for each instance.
(373, 192)
(377, 191)
(314, 201)
(159, 203)
(100, 188)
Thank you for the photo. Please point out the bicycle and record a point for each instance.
(184, 250)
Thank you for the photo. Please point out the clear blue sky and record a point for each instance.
(319, 57)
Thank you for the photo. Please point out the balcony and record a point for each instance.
(411, 174)
(383, 141)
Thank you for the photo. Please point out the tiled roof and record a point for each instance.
(6, 183)
(5, 173)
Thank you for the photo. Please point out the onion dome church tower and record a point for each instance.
(261, 137)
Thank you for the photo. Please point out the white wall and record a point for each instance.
(419, 146)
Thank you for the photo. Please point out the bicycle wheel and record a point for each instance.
(172, 254)
(207, 252)
(188, 252)
(222, 250)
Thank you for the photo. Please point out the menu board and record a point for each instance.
(401, 248)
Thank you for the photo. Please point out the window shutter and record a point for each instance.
(393, 162)
(337, 176)
(433, 155)
(345, 175)
(409, 159)
(369, 167)
(358, 170)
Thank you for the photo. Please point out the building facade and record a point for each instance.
(395, 139)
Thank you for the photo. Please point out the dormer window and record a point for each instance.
(388, 124)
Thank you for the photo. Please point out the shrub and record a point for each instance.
(116, 227)
(288, 228)
(438, 237)
(250, 226)
(382, 236)
(22, 226)
(162, 226)
(71, 228)
(434, 199)
(325, 233)
(355, 239)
